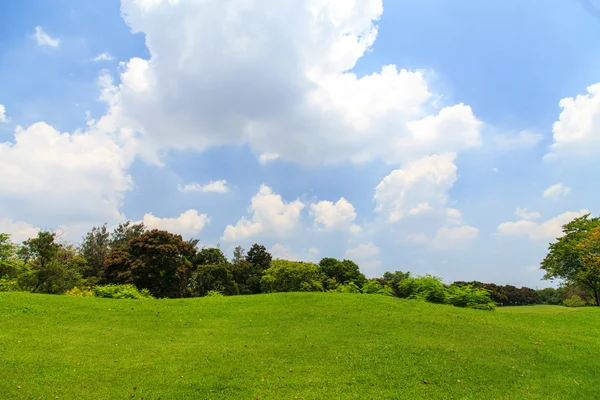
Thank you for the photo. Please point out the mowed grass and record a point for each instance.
(293, 345)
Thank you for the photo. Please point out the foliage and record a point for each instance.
(211, 278)
(349, 287)
(214, 293)
(574, 301)
(469, 296)
(291, 276)
(210, 256)
(95, 247)
(259, 257)
(79, 292)
(239, 255)
(126, 291)
(10, 265)
(428, 288)
(549, 296)
(342, 271)
(394, 278)
(9, 285)
(574, 256)
(125, 232)
(248, 271)
(376, 286)
(157, 260)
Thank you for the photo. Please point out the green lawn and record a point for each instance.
(297, 345)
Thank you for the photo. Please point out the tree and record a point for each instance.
(573, 257)
(239, 255)
(394, 278)
(9, 262)
(213, 277)
(95, 248)
(259, 257)
(291, 276)
(342, 271)
(210, 256)
(157, 260)
(122, 234)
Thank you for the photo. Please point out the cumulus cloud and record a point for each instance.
(77, 177)
(557, 191)
(213, 186)
(338, 215)
(365, 255)
(526, 214)
(3, 117)
(577, 131)
(420, 187)
(270, 215)
(447, 238)
(43, 39)
(275, 75)
(18, 230)
(539, 231)
(188, 224)
(103, 57)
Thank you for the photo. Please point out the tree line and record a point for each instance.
(163, 265)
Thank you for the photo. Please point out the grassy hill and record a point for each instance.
(293, 345)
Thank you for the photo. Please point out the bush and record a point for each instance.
(9, 285)
(428, 288)
(468, 296)
(214, 293)
(350, 287)
(126, 291)
(574, 301)
(373, 286)
(77, 292)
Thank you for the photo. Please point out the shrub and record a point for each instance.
(350, 287)
(574, 301)
(467, 296)
(9, 285)
(77, 292)
(126, 291)
(428, 288)
(214, 293)
(373, 286)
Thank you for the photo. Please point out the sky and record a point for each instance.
(448, 137)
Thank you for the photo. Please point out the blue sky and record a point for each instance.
(195, 92)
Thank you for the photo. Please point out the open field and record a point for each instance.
(293, 345)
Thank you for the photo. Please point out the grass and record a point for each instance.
(296, 345)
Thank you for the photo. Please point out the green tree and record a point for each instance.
(210, 256)
(10, 265)
(291, 276)
(259, 257)
(213, 278)
(342, 271)
(95, 247)
(157, 260)
(125, 232)
(239, 255)
(394, 278)
(572, 257)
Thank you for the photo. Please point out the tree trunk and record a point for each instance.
(596, 297)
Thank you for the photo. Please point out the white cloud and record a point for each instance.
(535, 231)
(526, 214)
(213, 186)
(314, 251)
(274, 75)
(556, 191)
(69, 178)
(521, 140)
(3, 117)
(103, 57)
(339, 215)
(43, 39)
(366, 256)
(447, 238)
(270, 215)
(418, 187)
(577, 131)
(188, 224)
(266, 158)
(18, 230)
(283, 252)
